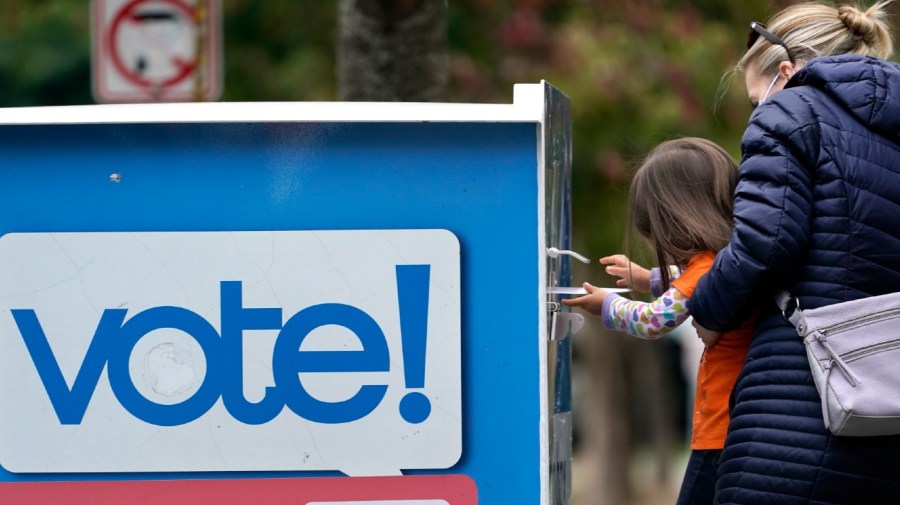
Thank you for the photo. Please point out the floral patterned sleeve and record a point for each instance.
(645, 320)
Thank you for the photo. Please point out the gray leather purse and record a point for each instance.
(854, 354)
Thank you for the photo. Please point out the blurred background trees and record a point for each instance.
(637, 72)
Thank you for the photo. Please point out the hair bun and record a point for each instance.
(859, 23)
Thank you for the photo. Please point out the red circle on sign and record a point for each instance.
(128, 13)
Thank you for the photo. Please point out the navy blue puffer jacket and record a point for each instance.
(817, 211)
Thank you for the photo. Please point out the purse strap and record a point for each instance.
(784, 300)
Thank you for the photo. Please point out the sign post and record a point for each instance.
(312, 303)
(156, 50)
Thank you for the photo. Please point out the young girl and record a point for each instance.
(681, 202)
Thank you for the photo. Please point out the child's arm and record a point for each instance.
(640, 319)
(633, 276)
(645, 320)
(656, 285)
(636, 277)
(592, 301)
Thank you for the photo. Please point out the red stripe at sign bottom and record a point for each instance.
(404, 490)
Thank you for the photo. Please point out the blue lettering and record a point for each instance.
(290, 361)
(115, 338)
(236, 319)
(120, 379)
(69, 404)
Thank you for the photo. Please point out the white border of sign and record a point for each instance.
(527, 106)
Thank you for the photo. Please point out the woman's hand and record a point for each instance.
(591, 302)
(633, 276)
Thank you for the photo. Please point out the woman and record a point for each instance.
(817, 212)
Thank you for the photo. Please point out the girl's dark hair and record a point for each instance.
(681, 200)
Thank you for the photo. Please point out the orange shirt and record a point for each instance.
(719, 367)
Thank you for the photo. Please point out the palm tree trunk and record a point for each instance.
(392, 50)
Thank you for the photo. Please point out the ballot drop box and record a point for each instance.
(286, 303)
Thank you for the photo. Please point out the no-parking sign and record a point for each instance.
(156, 50)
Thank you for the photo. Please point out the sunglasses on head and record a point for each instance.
(757, 29)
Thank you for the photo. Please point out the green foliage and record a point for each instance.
(44, 53)
(279, 50)
(636, 73)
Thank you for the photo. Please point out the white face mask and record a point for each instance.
(769, 89)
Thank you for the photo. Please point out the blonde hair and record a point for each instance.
(816, 29)
(681, 198)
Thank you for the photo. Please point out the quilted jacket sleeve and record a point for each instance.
(772, 221)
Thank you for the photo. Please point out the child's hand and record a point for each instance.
(633, 276)
(591, 302)
(708, 337)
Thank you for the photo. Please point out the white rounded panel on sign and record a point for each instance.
(230, 351)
